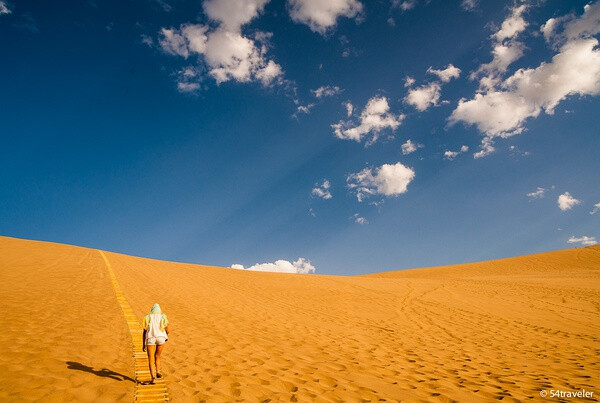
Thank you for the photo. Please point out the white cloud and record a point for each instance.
(147, 40)
(504, 55)
(549, 28)
(410, 147)
(507, 49)
(447, 74)
(450, 155)
(188, 87)
(595, 209)
(503, 106)
(233, 14)
(513, 25)
(322, 190)
(196, 37)
(4, 8)
(232, 56)
(304, 108)
(566, 201)
(349, 108)
(300, 266)
(496, 113)
(228, 54)
(584, 240)
(486, 148)
(322, 15)
(326, 91)
(268, 73)
(586, 26)
(360, 220)
(173, 42)
(373, 119)
(406, 5)
(469, 5)
(189, 38)
(538, 194)
(424, 96)
(387, 180)
(409, 81)
(188, 79)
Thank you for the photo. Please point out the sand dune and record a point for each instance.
(493, 330)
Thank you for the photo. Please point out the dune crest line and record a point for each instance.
(143, 392)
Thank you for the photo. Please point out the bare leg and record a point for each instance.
(159, 350)
(151, 365)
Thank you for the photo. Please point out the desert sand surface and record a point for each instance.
(502, 329)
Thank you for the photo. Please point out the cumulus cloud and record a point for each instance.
(231, 55)
(326, 91)
(504, 54)
(387, 180)
(424, 96)
(538, 194)
(595, 209)
(410, 147)
(446, 74)
(549, 27)
(572, 28)
(300, 266)
(429, 94)
(232, 14)
(450, 155)
(506, 49)
(4, 8)
(502, 106)
(374, 118)
(173, 42)
(226, 52)
(322, 15)
(567, 202)
(513, 25)
(322, 190)
(584, 240)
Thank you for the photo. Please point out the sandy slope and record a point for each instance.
(61, 326)
(501, 329)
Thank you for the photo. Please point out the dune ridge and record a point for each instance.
(502, 329)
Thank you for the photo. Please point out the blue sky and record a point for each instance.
(336, 137)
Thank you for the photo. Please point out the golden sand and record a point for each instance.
(502, 329)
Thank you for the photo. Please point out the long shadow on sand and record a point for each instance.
(105, 373)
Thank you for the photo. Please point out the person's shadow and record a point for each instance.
(105, 373)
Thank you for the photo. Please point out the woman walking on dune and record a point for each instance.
(156, 334)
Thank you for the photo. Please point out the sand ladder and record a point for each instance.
(144, 392)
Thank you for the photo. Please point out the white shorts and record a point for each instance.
(155, 341)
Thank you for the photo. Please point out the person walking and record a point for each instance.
(154, 337)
